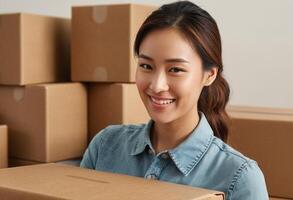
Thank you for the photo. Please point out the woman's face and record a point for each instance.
(169, 76)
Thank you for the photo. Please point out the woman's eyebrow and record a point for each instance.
(145, 57)
(172, 60)
(178, 60)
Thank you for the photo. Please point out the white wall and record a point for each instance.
(257, 41)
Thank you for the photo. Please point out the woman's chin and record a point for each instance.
(161, 119)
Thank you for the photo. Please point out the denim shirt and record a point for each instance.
(202, 160)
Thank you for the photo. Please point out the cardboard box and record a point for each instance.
(34, 49)
(266, 135)
(57, 181)
(114, 103)
(102, 41)
(3, 146)
(276, 198)
(47, 122)
(16, 162)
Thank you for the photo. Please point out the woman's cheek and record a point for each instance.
(139, 84)
(141, 81)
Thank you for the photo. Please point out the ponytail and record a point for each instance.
(212, 102)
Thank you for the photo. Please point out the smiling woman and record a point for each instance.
(179, 79)
(170, 84)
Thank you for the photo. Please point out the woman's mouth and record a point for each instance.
(161, 101)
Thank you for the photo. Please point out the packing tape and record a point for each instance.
(100, 74)
(18, 94)
(99, 14)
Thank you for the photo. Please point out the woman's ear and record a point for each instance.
(210, 76)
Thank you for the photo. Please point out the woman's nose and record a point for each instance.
(159, 83)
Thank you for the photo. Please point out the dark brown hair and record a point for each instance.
(202, 32)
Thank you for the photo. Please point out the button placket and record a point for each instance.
(165, 156)
(156, 167)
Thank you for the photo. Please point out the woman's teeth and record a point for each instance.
(162, 102)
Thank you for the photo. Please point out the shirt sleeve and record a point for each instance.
(90, 156)
(248, 184)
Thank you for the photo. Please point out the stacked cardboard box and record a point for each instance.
(117, 103)
(73, 183)
(102, 52)
(3, 146)
(47, 118)
(102, 42)
(34, 49)
(265, 135)
(47, 121)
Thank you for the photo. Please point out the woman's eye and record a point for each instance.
(145, 66)
(176, 70)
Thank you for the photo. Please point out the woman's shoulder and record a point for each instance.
(230, 158)
(228, 152)
(245, 176)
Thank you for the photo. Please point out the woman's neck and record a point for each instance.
(165, 136)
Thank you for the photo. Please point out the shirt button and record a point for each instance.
(151, 176)
(165, 156)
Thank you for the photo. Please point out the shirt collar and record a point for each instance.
(143, 139)
(187, 154)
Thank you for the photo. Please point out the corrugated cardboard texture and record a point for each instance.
(102, 41)
(266, 136)
(116, 103)
(47, 122)
(34, 49)
(56, 181)
(3, 146)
